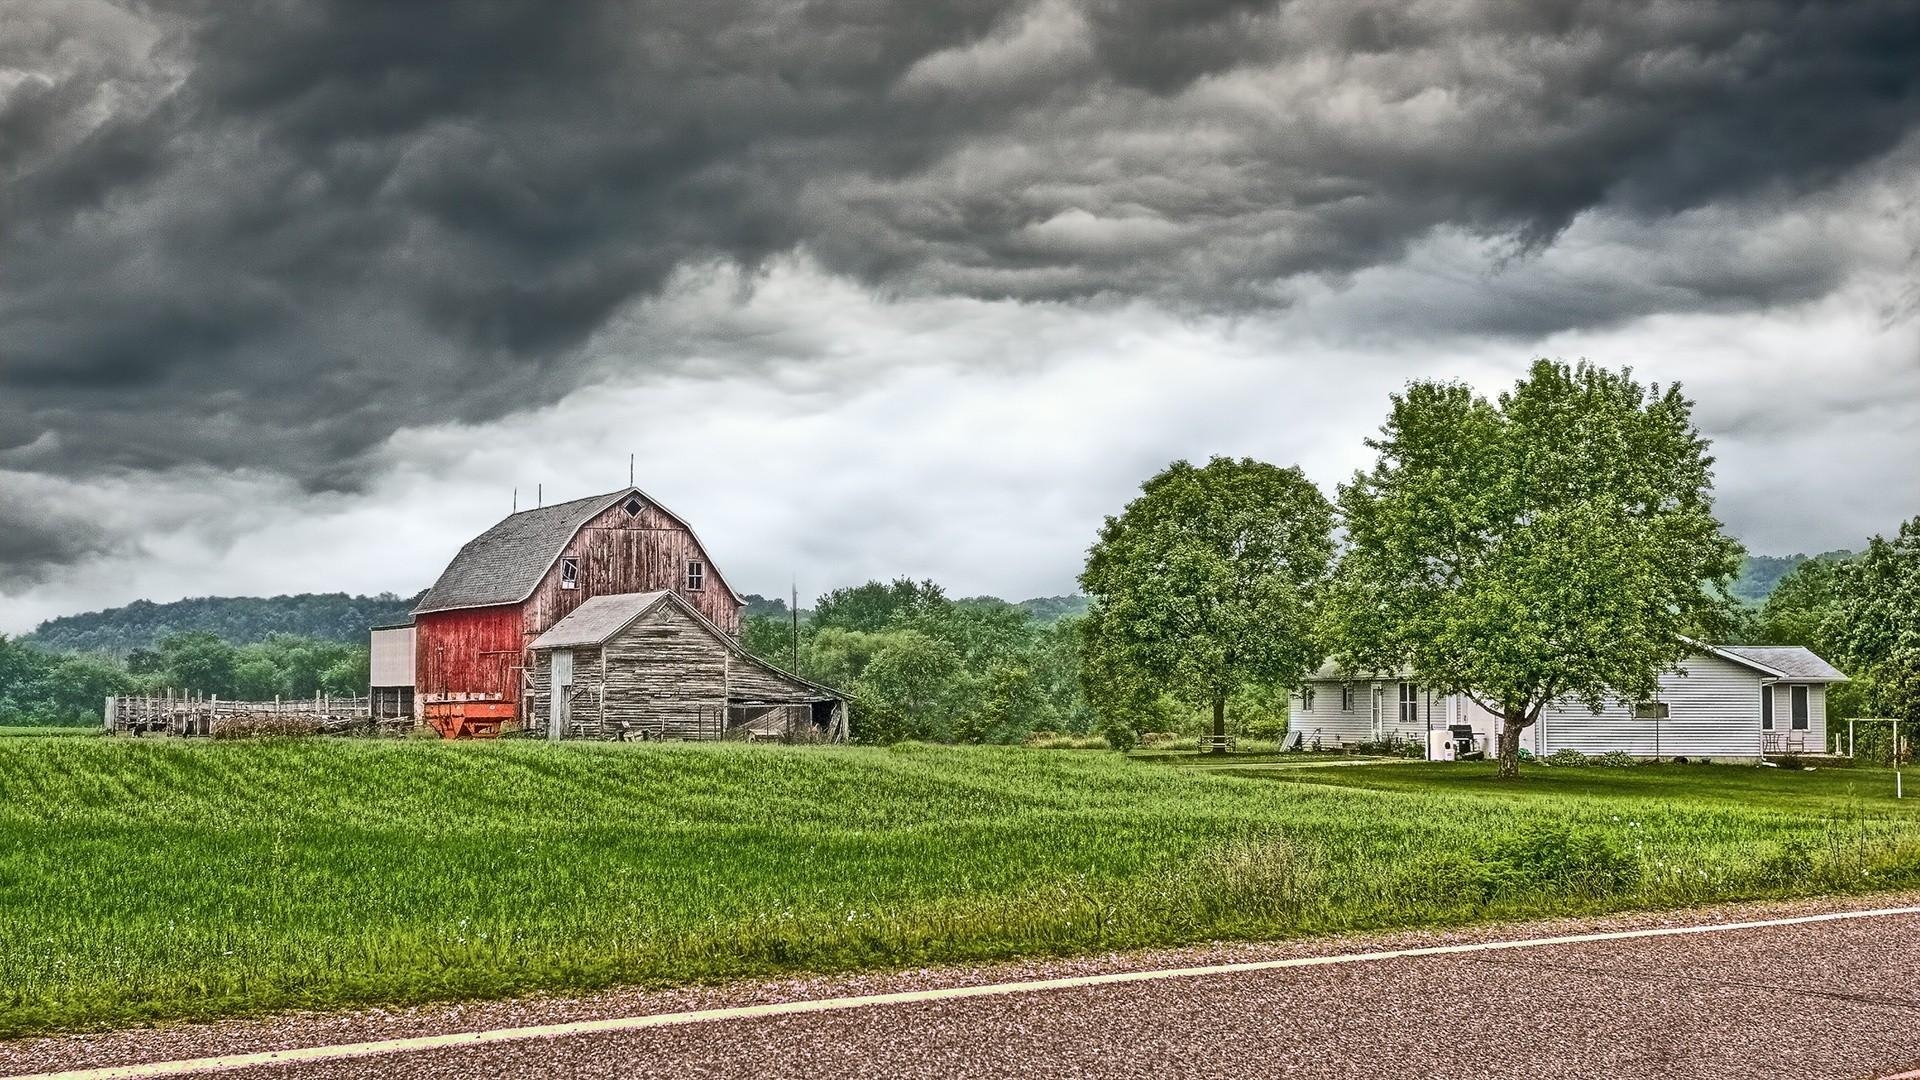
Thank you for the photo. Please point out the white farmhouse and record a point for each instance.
(1722, 702)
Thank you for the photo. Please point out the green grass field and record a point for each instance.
(144, 880)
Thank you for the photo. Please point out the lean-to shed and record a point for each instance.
(650, 665)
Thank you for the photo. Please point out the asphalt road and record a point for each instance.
(1824, 999)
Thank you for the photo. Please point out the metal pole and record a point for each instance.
(794, 610)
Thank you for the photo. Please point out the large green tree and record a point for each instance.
(1558, 543)
(1208, 582)
(1872, 622)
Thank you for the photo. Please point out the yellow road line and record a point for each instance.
(384, 1047)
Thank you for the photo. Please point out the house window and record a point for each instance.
(1650, 710)
(1306, 699)
(1409, 705)
(1346, 697)
(1802, 711)
(1766, 707)
(569, 573)
(696, 576)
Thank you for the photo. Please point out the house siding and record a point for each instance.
(1713, 706)
(1339, 728)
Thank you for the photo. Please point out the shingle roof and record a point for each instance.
(503, 564)
(601, 617)
(1788, 661)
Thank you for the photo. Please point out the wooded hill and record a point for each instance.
(243, 620)
(239, 620)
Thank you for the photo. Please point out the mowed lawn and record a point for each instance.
(155, 879)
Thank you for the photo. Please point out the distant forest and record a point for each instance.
(247, 620)
(238, 620)
(1761, 574)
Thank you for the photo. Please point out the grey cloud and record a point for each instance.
(272, 238)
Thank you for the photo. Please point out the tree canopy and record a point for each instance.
(1208, 582)
(1556, 543)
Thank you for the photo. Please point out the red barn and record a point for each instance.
(512, 583)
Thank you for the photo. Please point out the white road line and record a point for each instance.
(383, 1047)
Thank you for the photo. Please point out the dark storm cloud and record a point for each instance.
(271, 236)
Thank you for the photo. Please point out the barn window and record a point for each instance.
(569, 573)
(633, 506)
(696, 576)
(1650, 710)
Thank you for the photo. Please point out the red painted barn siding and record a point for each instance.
(621, 554)
(477, 651)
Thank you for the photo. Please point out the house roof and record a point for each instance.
(1789, 662)
(601, 617)
(1785, 661)
(505, 564)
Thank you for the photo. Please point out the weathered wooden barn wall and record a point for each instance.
(666, 675)
(618, 553)
(473, 651)
(749, 680)
(584, 714)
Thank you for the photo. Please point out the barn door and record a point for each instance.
(561, 696)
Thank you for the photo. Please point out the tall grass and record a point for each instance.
(149, 880)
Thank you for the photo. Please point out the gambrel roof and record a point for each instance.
(505, 564)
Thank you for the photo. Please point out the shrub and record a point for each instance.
(1558, 857)
(1617, 759)
(1566, 756)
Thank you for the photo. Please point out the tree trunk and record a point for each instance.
(1510, 729)
(1219, 725)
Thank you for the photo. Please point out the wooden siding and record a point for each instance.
(748, 679)
(1713, 711)
(472, 653)
(667, 675)
(620, 554)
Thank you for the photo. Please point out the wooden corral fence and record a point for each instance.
(196, 715)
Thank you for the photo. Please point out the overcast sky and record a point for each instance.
(293, 297)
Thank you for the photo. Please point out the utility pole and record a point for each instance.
(793, 609)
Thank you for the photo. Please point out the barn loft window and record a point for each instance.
(633, 506)
(696, 576)
(569, 573)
